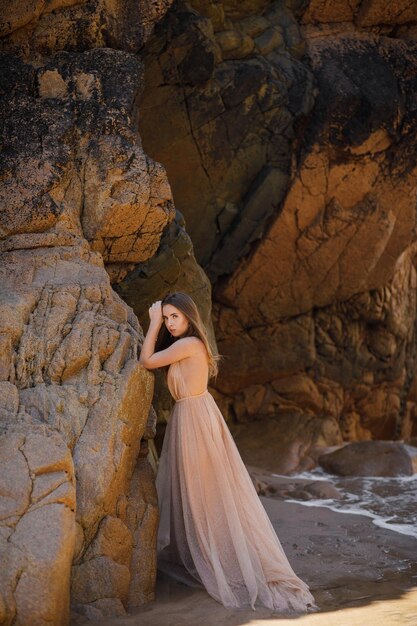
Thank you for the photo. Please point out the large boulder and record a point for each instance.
(77, 408)
(369, 458)
(281, 445)
(79, 510)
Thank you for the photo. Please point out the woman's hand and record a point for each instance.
(148, 346)
(155, 313)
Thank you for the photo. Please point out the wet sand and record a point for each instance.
(360, 575)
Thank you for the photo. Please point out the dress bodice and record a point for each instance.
(179, 385)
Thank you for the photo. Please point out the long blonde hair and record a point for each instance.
(184, 303)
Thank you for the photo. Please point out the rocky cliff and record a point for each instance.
(78, 194)
(295, 141)
(287, 133)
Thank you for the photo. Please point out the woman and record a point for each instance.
(212, 522)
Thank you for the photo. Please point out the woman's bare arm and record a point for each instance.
(148, 347)
(181, 349)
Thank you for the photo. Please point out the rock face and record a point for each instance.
(369, 458)
(38, 531)
(288, 132)
(78, 505)
(75, 408)
(297, 142)
(231, 76)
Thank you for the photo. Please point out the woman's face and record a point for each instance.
(175, 321)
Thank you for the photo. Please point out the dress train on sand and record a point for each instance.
(212, 522)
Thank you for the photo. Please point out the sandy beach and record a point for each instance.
(358, 573)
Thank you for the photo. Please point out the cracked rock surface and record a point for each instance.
(78, 508)
(291, 153)
(286, 131)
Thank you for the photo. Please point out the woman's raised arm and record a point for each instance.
(181, 349)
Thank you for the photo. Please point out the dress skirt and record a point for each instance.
(212, 522)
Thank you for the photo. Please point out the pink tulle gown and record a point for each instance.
(212, 523)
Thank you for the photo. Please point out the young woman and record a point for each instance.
(212, 522)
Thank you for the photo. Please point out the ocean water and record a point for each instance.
(390, 502)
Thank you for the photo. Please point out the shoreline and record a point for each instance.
(279, 481)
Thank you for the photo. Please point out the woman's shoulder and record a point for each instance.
(194, 342)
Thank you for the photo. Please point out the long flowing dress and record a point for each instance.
(212, 522)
